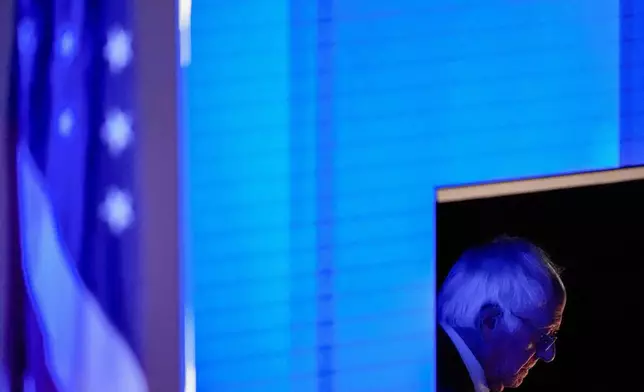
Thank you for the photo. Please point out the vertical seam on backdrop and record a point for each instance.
(324, 199)
(631, 82)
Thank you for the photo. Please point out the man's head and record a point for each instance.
(506, 301)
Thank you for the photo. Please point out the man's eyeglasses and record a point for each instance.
(546, 341)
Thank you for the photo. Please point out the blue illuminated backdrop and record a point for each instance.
(318, 133)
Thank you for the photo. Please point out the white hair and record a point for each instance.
(510, 272)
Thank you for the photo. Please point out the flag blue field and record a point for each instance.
(74, 128)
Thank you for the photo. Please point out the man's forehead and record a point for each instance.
(555, 322)
(553, 310)
(557, 316)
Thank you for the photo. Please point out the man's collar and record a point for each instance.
(471, 363)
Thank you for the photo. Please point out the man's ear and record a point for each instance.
(490, 316)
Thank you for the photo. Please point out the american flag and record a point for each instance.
(74, 317)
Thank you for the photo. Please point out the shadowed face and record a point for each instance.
(508, 355)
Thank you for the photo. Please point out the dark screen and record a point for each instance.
(597, 235)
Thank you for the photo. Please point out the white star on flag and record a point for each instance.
(27, 36)
(118, 50)
(117, 211)
(67, 44)
(65, 122)
(117, 131)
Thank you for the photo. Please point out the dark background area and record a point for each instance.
(597, 235)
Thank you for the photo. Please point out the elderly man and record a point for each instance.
(499, 311)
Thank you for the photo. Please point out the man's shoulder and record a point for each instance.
(451, 373)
